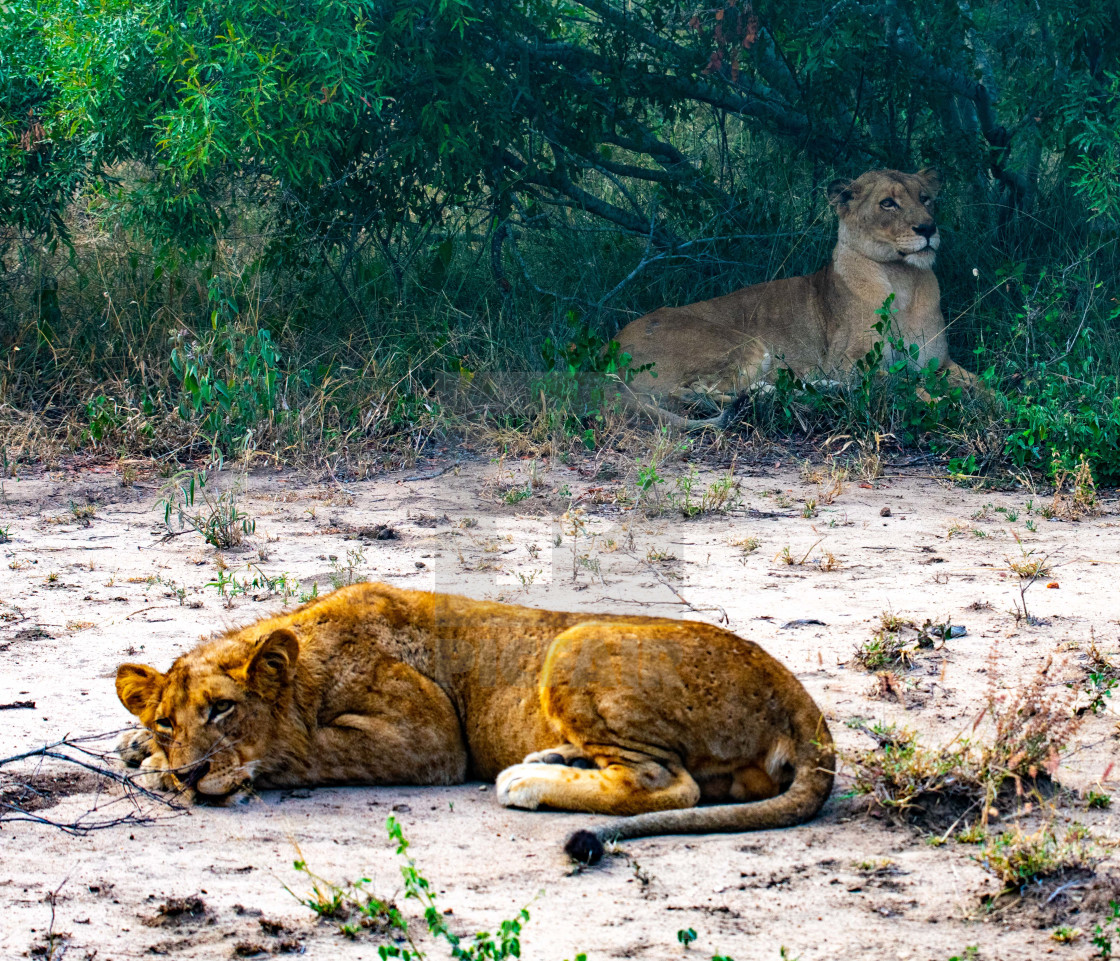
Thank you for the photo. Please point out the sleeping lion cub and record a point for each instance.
(816, 326)
(640, 717)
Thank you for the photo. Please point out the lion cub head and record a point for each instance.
(887, 216)
(212, 716)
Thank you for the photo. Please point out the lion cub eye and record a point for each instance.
(888, 204)
(219, 709)
(164, 723)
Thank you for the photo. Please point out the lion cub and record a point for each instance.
(816, 326)
(639, 717)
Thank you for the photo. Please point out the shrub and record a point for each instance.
(1028, 728)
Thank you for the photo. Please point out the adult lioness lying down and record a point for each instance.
(635, 716)
(816, 326)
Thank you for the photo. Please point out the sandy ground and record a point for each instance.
(82, 590)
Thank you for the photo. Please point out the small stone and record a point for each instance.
(885, 512)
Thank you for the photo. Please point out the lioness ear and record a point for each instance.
(138, 687)
(932, 180)
(270, 666)
(840, 192)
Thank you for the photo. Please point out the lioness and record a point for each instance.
(633, 716)
(816, 326)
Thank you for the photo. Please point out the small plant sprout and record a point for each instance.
(356, 909)
(747, 545)
(1028, 569)
(1105, 932)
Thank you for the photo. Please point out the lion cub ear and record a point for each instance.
(931, 179)
(842, 192)
(270, 665)
(138, 687)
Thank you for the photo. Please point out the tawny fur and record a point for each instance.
(817, 326)
(597, 713)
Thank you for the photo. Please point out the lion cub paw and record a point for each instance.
(135, 746)
(154, 775)
(526, 785)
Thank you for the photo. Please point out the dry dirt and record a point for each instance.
(83, 589)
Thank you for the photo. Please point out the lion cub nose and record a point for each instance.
(926, 230)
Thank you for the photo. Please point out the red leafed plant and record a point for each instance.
(730, 29)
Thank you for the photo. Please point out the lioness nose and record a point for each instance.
(196, 774)
(926, 230)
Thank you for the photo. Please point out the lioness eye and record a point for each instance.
(888, 204)
(218, 708)
(164, 723)
(924, 199)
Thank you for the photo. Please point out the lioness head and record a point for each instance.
(887, 216)
(212, 714)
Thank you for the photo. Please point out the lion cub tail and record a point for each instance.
(814, 770)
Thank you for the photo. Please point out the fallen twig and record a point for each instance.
(75, 751)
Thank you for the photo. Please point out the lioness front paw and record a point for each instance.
(567, 754)
(135, 746)
(526, 785)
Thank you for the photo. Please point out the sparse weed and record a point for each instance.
(515, 495)
(898, 640)
(1019, 859)
(884, 649)
(1065, 934)
(1102, 676)
(1027, 730)
(747, 545)
(351, 904)
(825, 562)
(719, 497)
(357, 909)
(220, 521)
(229, 585)
(1029, 569)
(1104, 932)
(503, 944)
(345, 574)
(975, 833)
(1081, 498)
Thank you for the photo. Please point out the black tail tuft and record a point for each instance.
(584, 847)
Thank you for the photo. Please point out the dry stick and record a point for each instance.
(52, 899)
(154, 607)
(128, 781)
(431, 476)
(724, 619)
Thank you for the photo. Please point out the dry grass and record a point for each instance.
(1075, 493)
(1020, 859)
(826, 561)
(1014, 744)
